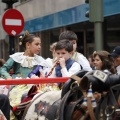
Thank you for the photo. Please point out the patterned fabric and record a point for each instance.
(31, 113)
(48, 87)
(16, 94)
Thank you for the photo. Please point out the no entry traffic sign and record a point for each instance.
(13, 22)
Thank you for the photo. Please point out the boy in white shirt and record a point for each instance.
(80, 58)
(66, 66)
(63, 67)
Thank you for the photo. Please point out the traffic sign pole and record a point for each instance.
(11, 38)
(12, 45)
(13, 23)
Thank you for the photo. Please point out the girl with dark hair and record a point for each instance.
(23, 62)
(103, 61)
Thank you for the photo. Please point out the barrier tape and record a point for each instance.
(33, 81)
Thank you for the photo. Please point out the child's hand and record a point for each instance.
(62, 62)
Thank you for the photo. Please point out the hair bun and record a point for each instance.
(22, 37)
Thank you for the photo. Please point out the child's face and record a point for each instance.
(63, 54)
(97, 62)
(116, 61)
(74, 45)
(35, 46)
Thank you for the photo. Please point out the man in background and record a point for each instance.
(116, 57)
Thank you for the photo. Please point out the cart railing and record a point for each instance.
(33, 81)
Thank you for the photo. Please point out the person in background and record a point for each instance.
(116, 57)
(52, 49)
(91, 61)
(23, 62)
(2, 61)
(4, 106)
(4, 101)
(80, 58)
(104, 62)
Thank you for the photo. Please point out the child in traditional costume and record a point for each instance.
(23, 62)
(65, 65)
(80, 58)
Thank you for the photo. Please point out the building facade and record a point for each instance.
(48, 18)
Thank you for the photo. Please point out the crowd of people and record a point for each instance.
(66, 61)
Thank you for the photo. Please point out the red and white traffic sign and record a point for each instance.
(13, 22)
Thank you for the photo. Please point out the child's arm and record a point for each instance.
(4, 71)
(74, 68)
(35, 72)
